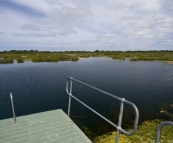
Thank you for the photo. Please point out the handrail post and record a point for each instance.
(120, 120)
(14, 116)
(69, 102)
(122, 100)
(157, 139)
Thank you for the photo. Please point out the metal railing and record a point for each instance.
(157, 139)
(12, 105)
(122, 100)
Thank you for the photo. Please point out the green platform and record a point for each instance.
(45, 127)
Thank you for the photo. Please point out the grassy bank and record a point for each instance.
(146, 131)
(145, 134)
(46, 56)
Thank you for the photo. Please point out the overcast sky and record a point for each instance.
(59, 25)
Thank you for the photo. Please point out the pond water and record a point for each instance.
(38, 87)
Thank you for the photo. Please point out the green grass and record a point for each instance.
(145, 134)
(20, 60)
(46, 56)
(146, 131)
(6, 61)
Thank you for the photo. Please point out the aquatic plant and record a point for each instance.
(145, 134)
(6, 61)
(20, 60)
(47, 56)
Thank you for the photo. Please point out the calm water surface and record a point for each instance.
(40, 87)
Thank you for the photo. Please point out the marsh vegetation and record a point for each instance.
(47, 56)
(146, 131)
(145, 134)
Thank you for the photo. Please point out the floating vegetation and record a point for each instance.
(166, 112)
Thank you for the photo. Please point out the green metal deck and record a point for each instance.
(45, 127)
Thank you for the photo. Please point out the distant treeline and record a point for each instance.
(48, 56)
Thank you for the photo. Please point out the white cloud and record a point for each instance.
(31, 26)
(87, 25)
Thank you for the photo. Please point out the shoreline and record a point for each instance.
(146, 132)
(170, 62)
(81, 58)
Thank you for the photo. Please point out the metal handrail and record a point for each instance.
(123, 100)
(157, 139)
(12, 105)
